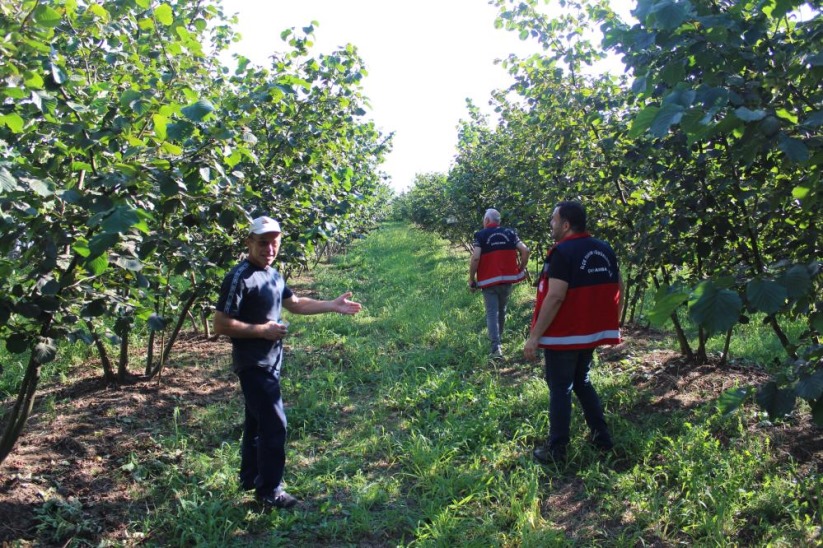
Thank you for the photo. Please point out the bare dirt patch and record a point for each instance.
(80, 435)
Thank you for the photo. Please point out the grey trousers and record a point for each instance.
(496, 298)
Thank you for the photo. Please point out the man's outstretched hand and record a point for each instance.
(343, 305)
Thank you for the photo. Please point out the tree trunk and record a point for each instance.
(784, 340)
(682, 340)
(724, 358)
(108, 372)
(19, 414)
(123, 362)
(638, 297)
(150, 353)
(204, 318)
(631, 306)
(700, 355)
(181, 319)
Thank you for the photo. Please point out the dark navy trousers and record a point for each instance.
(263, 450)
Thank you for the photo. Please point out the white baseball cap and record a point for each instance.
(262, 225)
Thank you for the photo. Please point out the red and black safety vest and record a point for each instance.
(589, 315)
(498, 257)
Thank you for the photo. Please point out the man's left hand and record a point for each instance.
(530, 349)
(343, 305)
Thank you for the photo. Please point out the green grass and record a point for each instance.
(401, 433)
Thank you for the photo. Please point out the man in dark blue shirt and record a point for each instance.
(248, 311)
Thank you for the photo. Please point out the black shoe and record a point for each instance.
(278, 499)
(547, 454)
(602, 440)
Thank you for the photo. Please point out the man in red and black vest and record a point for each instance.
(499, 259)
(579, 298)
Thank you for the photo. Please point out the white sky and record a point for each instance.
(424, 59)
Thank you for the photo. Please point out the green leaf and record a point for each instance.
(715, 310)
(800, 192)
(732, 399)
(120, 220)
(51, 287)
(125, 263)
(16, 343)
(94, 309)
(160, 123)
(810, 388)
(797, 281)
(46, 16)
(197, 111)
(816, 321)
(13, 121)
(748, 115)
(157, 323)
(766, 295)
(179, 131)
(171, 148)
(817, 412)
(171, 187)
(777, 9)
(164, 14)
(7, 181)
(100, 12)
(777, 402)
(669, 114)
(814, 119)
(795, 149)
(99, 244)
(28, 310)
(41, 188)
(643, 121)
(666, 301)
(96, 266)
(34, 81)
(670, 14)
(58, 74)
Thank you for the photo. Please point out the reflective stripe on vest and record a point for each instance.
(519, 277)
(612, 334)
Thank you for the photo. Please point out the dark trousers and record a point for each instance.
(567, 371)
(263, 451)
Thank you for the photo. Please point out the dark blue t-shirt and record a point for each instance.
(254, 295)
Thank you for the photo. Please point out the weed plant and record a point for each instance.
(402, 433)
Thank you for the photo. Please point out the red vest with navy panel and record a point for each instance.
(589, 315)
(498, 257)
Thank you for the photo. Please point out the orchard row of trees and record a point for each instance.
(131, 162)
(704, 169)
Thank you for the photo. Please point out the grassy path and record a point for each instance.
(402, 433)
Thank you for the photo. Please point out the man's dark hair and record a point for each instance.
(573, 213)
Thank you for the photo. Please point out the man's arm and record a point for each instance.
(305, 305)
(548, 310)
(524, 255)
(622, 288)
(474, 262)
(226, 325)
